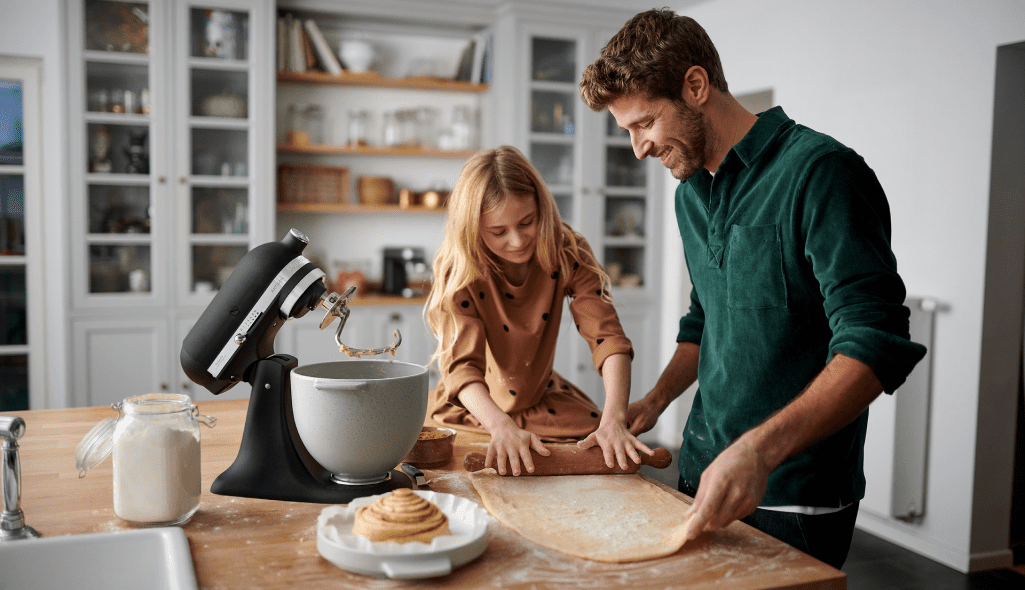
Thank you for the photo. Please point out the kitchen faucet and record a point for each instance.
(12, 521)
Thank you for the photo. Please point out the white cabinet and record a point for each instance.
(115, 358)
(602, 190)
(170, 151)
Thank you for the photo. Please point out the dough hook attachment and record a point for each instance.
(337, 308)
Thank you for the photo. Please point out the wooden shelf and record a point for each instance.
(382, 299)
(325, 149)
(375, 80)
(353, 208)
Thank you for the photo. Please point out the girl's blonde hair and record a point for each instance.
(487, 178)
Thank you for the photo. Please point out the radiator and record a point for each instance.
(911, 432)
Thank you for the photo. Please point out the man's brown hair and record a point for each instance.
(650, 55)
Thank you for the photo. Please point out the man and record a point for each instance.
(796, 321)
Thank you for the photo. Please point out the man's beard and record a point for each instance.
(689, 156)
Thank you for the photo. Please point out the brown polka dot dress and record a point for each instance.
(504, 337)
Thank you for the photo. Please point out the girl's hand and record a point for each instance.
(617, 443)
(509, 443)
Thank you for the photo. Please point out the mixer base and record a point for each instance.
(270, 462)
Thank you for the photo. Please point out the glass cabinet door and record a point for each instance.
(625, 197)
(22, 348)
(216, 151)
(118, 134)
(554, 102)
(601, 188)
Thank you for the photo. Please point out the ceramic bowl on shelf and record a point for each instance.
(357, 55)
(224, 104)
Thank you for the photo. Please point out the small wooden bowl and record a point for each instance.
(433, 447)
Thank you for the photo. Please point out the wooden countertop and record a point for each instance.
(248, 543)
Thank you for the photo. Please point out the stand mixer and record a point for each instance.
(233, 341)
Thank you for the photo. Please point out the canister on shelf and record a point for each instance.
(359, 124)
(313, 121)
(296, 134)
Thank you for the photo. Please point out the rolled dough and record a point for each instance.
(610, 518)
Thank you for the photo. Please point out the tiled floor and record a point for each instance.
(876, 564)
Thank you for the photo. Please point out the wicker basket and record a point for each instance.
(375, 190)
(310, 183)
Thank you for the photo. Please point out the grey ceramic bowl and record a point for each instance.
(359, 418)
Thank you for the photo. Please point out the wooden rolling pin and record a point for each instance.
(568, 459)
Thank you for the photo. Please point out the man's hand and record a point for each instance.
(731, 488)
(642, 415)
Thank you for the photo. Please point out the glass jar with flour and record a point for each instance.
(155, 443)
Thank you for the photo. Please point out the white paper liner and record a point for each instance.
(467, 521)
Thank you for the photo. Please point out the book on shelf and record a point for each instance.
(296, 60)
(488, 59)
(327, 59)
(464, 69)
(282, 45)
(475, 61)
(478, 58)
(302, 47)
(309, 54)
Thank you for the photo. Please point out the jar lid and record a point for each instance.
(95, 446)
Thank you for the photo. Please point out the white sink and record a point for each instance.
(154, 559)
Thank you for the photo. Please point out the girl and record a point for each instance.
(504, 268)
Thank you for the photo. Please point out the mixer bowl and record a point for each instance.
(359, 418)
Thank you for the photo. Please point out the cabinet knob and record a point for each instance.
(162, 179)
(395, 317)
(163, 387)
(585, 191)
(185, 386)
(182, 180)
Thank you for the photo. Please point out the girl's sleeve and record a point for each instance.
(595, 318)
(465, 362)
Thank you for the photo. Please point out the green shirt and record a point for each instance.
(788, 250)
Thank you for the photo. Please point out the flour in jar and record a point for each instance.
(156, 475)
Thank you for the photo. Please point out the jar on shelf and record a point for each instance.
(389, 129)
(155, 443)
(313, 121)
(359, 125)
(296, 133)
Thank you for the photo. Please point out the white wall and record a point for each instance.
(909, 85)
(33, 29)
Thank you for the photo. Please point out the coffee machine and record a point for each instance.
(401, 266)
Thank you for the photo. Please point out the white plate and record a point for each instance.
(154, 559)
(404, 561)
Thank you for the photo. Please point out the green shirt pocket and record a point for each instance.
(754, 268)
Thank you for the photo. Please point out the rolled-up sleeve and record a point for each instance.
(857, 275)
(596, 319)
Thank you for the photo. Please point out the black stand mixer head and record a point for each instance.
(233, 341)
